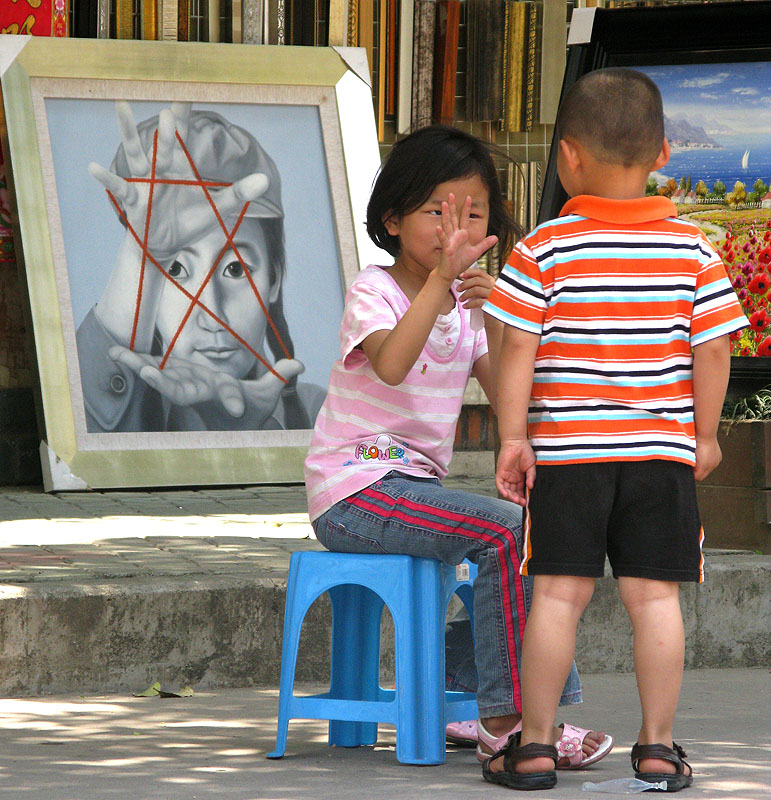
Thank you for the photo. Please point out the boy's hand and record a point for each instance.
(708, 456)
(515, 471)
(457, 252)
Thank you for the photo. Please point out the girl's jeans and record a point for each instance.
(400, 514)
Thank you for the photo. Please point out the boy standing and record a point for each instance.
(616, 352)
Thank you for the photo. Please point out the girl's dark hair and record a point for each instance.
(419, 163)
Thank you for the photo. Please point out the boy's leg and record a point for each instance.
(549, 646)
(659, 652)
(654, 542)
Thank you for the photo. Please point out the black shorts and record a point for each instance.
(643, 514)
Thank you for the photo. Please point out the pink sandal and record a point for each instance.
(462, 734)
(569, 745)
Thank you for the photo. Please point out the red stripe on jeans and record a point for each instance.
(500, 546)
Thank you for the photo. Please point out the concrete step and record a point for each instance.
(116, 615)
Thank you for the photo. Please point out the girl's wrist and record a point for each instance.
(435, 277)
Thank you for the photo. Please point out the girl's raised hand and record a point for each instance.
(458, 252)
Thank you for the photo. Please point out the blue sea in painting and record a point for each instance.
(725, 164)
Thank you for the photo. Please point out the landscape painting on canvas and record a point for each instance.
(717, 122)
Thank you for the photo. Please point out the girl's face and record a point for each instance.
(418, 241)
(228, 295)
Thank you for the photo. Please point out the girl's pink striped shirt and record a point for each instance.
(367, 428)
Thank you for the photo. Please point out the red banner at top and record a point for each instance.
(34, 17)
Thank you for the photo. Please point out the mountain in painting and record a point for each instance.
(681, 133)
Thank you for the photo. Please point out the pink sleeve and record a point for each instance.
(480, 345)
(367, 309)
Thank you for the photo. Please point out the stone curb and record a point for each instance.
(217, 630)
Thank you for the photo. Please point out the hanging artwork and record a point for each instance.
(186, 285)
(712, 63)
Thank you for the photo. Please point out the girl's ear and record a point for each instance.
(392, 224)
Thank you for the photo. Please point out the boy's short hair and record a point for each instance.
(617, 114)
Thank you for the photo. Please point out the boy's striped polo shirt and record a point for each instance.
(619, 291)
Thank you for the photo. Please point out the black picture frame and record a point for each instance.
(710, 33)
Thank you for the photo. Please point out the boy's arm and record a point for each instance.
(515, 471)
(711, 370)
(474, 290)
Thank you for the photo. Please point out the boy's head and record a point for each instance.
(617, 115)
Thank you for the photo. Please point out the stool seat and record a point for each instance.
(417, 592)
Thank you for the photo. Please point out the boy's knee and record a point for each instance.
(568, 589)
(636, 592)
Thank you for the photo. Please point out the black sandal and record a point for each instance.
(513, 753)
(675, 754)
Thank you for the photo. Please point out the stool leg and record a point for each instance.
(420, 734)
(293, 618)
(466, 594)
(355, 668)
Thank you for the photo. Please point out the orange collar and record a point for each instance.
(623, 212)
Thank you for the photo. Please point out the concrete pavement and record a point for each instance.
(111, 591)
(103, 593)
(213, 744)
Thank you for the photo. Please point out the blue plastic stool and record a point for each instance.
(417, 592)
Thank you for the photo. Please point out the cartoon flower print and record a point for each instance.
(567, 745)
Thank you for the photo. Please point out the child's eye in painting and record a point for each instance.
(235, 269)
(176, 270)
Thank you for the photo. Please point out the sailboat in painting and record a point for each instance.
(746, 159)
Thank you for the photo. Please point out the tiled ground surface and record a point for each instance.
(103, 535)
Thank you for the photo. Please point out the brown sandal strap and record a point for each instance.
(514, 752)
(674, 754)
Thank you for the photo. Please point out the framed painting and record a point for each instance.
(712, 63)
(190, 216)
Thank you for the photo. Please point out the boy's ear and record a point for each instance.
(663, 156)
(570, 154)
(391, 224)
